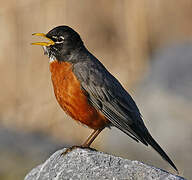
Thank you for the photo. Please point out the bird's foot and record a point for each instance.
(75, 147)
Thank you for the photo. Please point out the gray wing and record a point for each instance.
(107, 95)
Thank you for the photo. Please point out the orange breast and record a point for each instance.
(71, 98)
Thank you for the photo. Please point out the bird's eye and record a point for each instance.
(60, 39)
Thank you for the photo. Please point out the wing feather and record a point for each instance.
(113, 109)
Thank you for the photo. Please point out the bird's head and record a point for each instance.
(63, 42)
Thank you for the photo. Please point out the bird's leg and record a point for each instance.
(91, 138)
(87, 143)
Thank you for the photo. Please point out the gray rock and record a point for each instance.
(171, 69)
(94, 165)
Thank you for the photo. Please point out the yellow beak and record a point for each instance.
(50, 42)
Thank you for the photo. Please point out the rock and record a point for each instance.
(171, 70)
(94, 165)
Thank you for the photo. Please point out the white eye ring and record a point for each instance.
(61, 38)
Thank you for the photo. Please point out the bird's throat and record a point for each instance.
(52, 58)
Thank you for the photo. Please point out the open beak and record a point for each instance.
(50, 42)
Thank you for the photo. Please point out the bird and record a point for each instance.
(89, 93)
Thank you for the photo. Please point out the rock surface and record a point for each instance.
(89, 164)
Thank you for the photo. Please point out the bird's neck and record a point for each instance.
(75, 56)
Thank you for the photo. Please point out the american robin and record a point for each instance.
(88, 92)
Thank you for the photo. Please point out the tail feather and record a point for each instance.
(149, 139)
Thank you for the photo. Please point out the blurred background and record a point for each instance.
(146, 44)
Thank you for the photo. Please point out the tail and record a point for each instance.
(149, 139)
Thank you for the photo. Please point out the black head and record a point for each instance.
(64, 43)
(67, 42)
